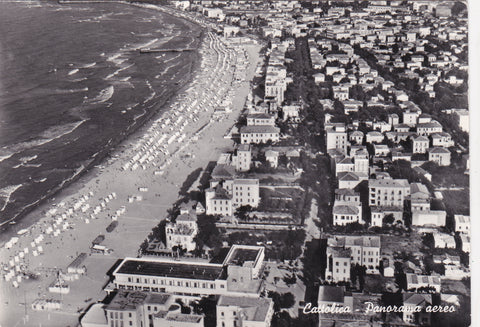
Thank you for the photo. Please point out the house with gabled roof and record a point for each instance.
(441, 156)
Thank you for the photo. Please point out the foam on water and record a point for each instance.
(6, 193)
(104, 95)
(72, 72)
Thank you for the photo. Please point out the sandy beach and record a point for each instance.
(135, 187)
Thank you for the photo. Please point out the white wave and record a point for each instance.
(115, 73)
(6, 193)
(125, 79)
(104, 95)
(173, 58)
(6, 156)
(58, 131)
(72, 72)
(149, 43)
(89, 65)
(28, 158)
(59, 91)
(150, 97)
(116, 59)
(79, 80)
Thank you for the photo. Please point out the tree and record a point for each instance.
(208, 307)
(388, 219)
(285, 300)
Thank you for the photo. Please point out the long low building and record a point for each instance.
(238, 275)
(259, 134)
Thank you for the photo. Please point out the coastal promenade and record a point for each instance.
(135, 188)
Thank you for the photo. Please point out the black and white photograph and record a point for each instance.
(238, 163)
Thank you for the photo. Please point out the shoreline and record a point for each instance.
(144, 195)
(7, 230)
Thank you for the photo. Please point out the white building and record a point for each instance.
(260, 119)
(463, 119)
(240, 311)
(435, 218)
(441, 156)
(365, 250)
(420, 144)
(415, 281)
(238, 275)
(336, 137)
(444, 241)
(388, 192)
(462, 224)
(182, 232)
(259, 134)
(347, 208)
(137, 309)
(243, 159)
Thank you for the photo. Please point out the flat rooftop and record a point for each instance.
(239, 254)
(171, 269)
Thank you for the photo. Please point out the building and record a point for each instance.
(415, 281)
(365, 250)
(410, 117)
(336, 137)
(435, 218)
(350, 179)
(238, 275)
(374, 137)
(413, 301)
(378, 213)
(420, 144)
(442, 140)
(218, 201)
(429, 128)
(444, 241)
(356, 137)
(388, 192)
(465, 241)
(271, 157)
(334, 296)
(347, 208)
(137, 309)
(463, 117)
(260, 119)
(291, 112)
(338, 264)
(440, 156)
(462, 224)
(239, 311)
(361, 161)
(182, 232)
(419, 197)
(347, 214)
(259, 134)
(243, 159)
(344, 165)
(443, 10)
(275, 82)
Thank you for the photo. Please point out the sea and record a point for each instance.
(73, 85)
